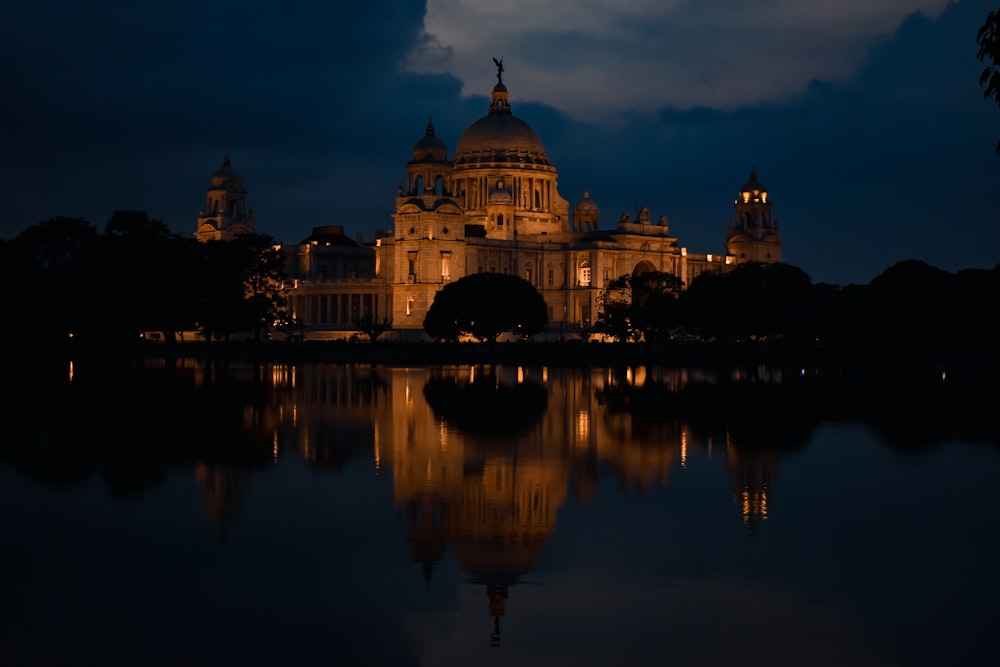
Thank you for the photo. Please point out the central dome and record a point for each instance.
(500, 136)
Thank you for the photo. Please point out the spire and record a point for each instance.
(225, 160)
(430, 127)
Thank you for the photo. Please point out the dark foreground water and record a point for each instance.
(206, 513)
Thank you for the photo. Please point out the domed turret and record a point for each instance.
(430, 148)
(226, 213)
(586, 214)
(753, 190)
(226, 175)
(753, 234)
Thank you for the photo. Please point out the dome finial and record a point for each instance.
(430, 127)
(499, 64)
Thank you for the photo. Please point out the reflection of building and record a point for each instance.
(223, 489)
(752, 474)
(494, 206)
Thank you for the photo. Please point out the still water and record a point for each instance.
(199, 512)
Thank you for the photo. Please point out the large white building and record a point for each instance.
(493, 206)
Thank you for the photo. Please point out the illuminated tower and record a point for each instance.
(753, 235)
(226, 213)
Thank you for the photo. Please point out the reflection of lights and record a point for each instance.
(754, 504)
(408, 397)
(430, 470)
(628, 375)
(472, 374)
(444, 436)
(545, 374)
(377, 437)
(944, 376)
(275, 445)
(684, 448)
(71, 371)
(582, 426)
(639, 376)
(520, 374)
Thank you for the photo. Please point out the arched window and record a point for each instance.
(583, 273)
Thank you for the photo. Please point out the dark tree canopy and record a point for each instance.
(486, 305)
(754, 300)
(988, 39)
(642, 305)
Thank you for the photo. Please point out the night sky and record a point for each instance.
(864, 118)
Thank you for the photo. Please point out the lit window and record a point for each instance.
(409, 305)
(584, 274)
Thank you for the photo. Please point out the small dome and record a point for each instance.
(226, 174)
(586, 205)
(753, 185)
(430, 148)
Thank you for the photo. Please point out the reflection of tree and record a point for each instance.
(485, 406)
(223, 489)
(129, 424)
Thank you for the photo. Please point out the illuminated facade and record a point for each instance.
(492, 207)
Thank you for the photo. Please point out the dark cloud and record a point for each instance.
(115, 105)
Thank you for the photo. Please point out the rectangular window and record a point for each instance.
(445, 265)
(551, 276)
(585, 276)
(409, 305)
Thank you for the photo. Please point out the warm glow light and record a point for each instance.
(520, 374)
(684, 448)
(275, 448)
(377, 438)
(582, 427)
(684, 252)
(709, 258)
(71, 371)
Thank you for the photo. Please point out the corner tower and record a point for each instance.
(753, 235)
(226, 213)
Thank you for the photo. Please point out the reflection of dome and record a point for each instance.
(226, 174)
(430, 148)
(500, 136)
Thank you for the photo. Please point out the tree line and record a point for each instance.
(68, 279)
(73, 281)
(909, 302)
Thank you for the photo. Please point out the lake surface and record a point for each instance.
(193, 512)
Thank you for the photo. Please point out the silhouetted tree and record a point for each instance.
(988, 39)
(641, 305)
(753, 301)
(614, 310)
(911, 300)
(485, 305)
(373, 326)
